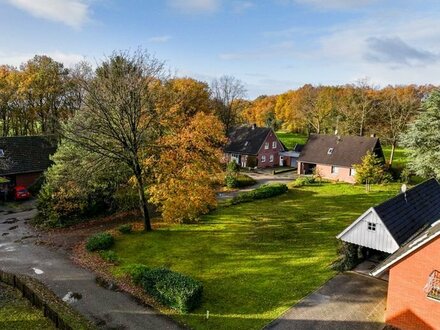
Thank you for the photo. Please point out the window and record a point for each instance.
(246, 143)
(352, 172)
(432, 288)
(335, 170)
(266, 145)
(330, 151)
(371, 226)
(271, 158)
(263, 159)
(274, 144)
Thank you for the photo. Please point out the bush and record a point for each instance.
(169, 288)
(244, 180)
(109, 256)
(101, 241)
(302, 181)
(125, 229)
(350, 255)
(232, 170)
(262, 192)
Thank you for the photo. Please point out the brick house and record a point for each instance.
(389, 225)
(333, 156)
(413, 301)
(252, 146)
(25, 158)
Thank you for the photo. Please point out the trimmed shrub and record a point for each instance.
(101, 241)
(170, 288)
(109, 256)
(262, 192)
(125, 229)
(244, 180)
(302, 181)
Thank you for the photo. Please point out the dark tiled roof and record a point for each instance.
(347, 150)
(246, 140)
(26, 154)
(405, 216)
(415, 243)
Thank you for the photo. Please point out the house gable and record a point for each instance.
(369, 231)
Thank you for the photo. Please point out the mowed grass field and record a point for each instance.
(255, 259)
(17, 313)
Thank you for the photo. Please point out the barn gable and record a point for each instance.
(370, 231)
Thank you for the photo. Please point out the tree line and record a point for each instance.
(355, 109)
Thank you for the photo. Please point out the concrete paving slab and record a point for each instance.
(349, 301)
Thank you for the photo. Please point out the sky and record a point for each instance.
(270, 45)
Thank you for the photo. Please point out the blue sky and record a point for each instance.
(271, 45)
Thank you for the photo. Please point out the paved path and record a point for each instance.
(262, 177)
(347, 302)
(109, 309)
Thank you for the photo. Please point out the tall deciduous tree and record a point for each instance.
(423, 139)
(227, 91)
(120, 119)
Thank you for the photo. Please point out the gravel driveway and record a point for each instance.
(108, 309)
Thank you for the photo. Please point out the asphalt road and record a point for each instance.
(108, 309)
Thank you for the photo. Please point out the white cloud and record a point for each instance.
(331, 4)
(195, 6)
(160, 39)
(15, 59)
(73, 13)
(242, 6)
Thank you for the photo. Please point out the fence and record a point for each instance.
(25, 287)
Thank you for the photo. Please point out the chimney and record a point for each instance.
(254, 126)
(373, 135)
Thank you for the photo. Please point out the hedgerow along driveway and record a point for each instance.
(256, 259)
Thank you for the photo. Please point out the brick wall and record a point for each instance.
(408, 308)
(325, 171)
(275, 152)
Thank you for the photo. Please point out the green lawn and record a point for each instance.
(255, 259)
(400, 156)
(18, 313)
(290, 139)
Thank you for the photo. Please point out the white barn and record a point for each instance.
(386, 227)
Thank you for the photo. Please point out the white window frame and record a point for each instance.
(334, 170)
(371, 226)
(330, 151)
(271, 158)
(263, 159)
(274, 145)
(266, 145)
(352, 171)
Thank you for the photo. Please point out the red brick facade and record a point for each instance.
(268, 154)
(338, 173)
(408, 307)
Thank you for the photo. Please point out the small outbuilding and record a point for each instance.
(23, 159)
(388, 226)
(333, 156)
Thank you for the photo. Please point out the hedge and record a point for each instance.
(170, 288)
(101, 241)
(262, 192)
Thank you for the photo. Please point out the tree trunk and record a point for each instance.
(142, 199)
(393, 148)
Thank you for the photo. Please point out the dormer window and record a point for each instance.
(2, 153)
(246, 143)
(330, 151)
